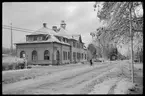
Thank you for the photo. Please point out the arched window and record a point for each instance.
(22, 54)
(34, 55)
(46, 55)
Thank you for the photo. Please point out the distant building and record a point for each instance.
(52, 46)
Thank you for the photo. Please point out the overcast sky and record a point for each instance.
(80, 18)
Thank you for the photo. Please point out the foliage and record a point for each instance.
(92, 49)
(116, 17)
(13, 66)
(10, 62)
(8, 50)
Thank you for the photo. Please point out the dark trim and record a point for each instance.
(36, 34)
(31, 43)
(39, 43)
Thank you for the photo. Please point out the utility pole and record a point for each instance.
(131, 37)
(11, 40)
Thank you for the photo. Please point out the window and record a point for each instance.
(73, 44)
(40, 38)
(74, 55)
(34, 55)
(82, 55)
(78, 55)
(85, 56)
(35, 38)
(22, 54)
(67, 40)
(43, 38)
(63, 39)
(30, 38)
(46, 55)
(59, 38)
(27, 38)
(63, 55)
(68, 55)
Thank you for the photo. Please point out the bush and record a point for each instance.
(13, 66)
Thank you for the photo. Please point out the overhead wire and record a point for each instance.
(21, 29)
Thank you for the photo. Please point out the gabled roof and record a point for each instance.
(62, 32)
(53, 39)
(77, 37)
(44, 30)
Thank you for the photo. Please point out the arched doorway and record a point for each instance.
(57, 58)
(22, 54)
(34, 55)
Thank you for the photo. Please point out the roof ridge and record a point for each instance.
(44, 30)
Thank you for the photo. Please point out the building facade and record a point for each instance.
(52, 46)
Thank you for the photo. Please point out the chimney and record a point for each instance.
(44, 25)
(54, 28)
(63, 24)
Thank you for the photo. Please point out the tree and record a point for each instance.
(121, 19)
(116, 15)
(8, 50)
(92, 49)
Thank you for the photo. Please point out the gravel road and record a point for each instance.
(75, 80)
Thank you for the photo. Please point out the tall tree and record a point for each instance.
(116, 17)
(122, 20)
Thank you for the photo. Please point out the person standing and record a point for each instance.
(91, 63)
(90, 58)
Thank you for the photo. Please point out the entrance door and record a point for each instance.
(57, 58)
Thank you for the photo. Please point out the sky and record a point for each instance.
(80, 18)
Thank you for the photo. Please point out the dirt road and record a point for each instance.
(79, 80)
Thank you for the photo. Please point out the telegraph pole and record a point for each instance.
(11, 39)
(131, 37)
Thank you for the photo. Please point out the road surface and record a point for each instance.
(73, 80)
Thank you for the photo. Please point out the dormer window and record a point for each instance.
(66, 40)
(73, 44)
(43, 38)
(39, 38)
(63, 39)
(35, 38)
(27, 38)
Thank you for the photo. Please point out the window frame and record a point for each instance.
(34, 57)
(21, 54)
(48, 55)
(68, 55)
(35, 38)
